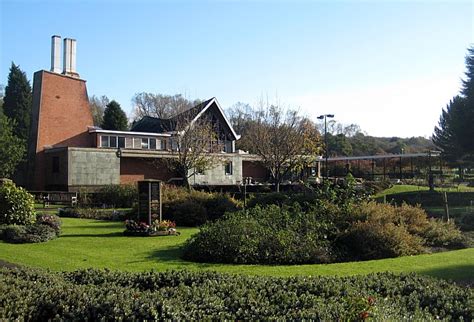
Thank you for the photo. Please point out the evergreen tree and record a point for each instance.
(12, 148)
(114, 118)
(17, 101)
(455, 131)
(468, 92)
(450, 132)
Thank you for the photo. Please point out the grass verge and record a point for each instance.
(100, 244)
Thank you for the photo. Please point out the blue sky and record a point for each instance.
(388, 66)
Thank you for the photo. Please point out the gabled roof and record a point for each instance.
(158, 125)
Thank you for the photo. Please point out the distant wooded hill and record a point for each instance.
(361, 144)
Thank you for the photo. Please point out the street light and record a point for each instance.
(326, 150)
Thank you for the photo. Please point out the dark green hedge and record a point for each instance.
(182, 295)
(431, 199)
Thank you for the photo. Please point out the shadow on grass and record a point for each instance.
(172, 255)
(458, 273)
(116, 234)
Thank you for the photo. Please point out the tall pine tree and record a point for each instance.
(114, 118)
(455, 131)
(17, 101)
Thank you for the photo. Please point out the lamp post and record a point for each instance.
(326, 150)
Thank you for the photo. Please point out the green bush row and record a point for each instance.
(27, 294)
(94, 213)
(319, 233)
(431, 199)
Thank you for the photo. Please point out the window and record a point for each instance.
(113, 142)
(152, 144)
(104, 141)
(199, 170)
(121, 142)
(128, 143)
(163, 145)
(228, 168)
(137, 143)
(145, 143)
(55, 164)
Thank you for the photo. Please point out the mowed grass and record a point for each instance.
(401, 188)
(100, 244)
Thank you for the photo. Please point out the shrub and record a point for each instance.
(466, 222)
(369, 240)
(117, 196)
(194, 208)
(52, 221)
(93, 213)
(442, 234)
(16, 205)
(270, 235)
(35, 233)
(28, 294)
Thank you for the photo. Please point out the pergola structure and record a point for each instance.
(397, 166)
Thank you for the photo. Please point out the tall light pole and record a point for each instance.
(326, 150)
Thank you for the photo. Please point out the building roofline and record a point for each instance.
(95, 130)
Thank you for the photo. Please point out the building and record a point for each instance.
(66, 152)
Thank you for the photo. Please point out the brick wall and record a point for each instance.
(60, 118)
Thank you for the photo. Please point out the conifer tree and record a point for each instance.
(114, 118)
(17, 101)
(455, 131)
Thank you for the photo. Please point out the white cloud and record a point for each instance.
(407, 108)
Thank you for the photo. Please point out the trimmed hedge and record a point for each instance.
(27, 294)
(94, 213)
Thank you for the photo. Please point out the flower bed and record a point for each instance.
(157, 228)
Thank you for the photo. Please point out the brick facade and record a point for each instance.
(60, 118)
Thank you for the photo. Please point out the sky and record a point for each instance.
(388, 66)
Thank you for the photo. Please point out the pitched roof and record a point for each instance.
(158, 125)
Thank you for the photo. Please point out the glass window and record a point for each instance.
(163, 144)
(137, 143)
(129, 143)
(152, 144)
(121, 142)
(113, 142)
(104, 141)
(145, 143)
(228, 168)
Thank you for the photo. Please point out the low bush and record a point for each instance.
(382, 230)
(194, 208)
(368, 240)
(35, 233)
(52, 221)
(28, 294)
(16, 205)
(374, 187)
(319, 232)
(94, 213)
(270, 235)
(117, 196)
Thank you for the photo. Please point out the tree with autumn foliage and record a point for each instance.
(284, 141)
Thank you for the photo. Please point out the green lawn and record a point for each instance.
(400, 188)
(100, 244)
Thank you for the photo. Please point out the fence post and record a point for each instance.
(446, 206)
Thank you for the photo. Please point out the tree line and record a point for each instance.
(284, 139)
